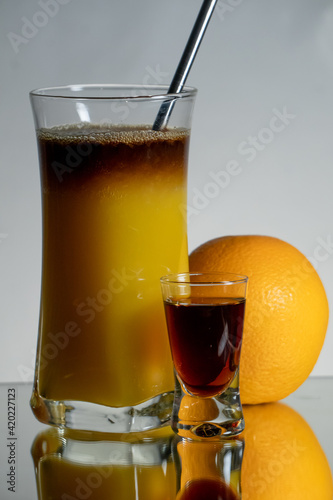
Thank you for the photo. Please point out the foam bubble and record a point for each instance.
(106, 134)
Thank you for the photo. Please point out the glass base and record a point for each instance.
(210, 419)
(149, 415)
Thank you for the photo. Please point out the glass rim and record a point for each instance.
(215, 278)
(148, 92)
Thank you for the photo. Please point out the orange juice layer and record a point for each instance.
(111, 227)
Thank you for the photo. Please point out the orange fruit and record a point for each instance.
(286, 312)
(282, 457)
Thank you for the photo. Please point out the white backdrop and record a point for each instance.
(259, 59)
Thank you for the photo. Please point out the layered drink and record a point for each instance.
(114, 221)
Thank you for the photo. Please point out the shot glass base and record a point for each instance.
(210, 419)
(211, 431)
(149, 415)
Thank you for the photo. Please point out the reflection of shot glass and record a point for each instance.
(210, 470)
(205, 314)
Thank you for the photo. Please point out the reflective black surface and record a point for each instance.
(286, 452)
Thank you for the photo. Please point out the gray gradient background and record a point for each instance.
(257, 56)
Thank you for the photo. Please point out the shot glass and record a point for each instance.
(205, 315)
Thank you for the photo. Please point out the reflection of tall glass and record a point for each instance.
(114, 221)
(96, 468)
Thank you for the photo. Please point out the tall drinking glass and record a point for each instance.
(113, 221)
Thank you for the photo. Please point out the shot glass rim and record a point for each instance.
(233, 278)
(59, 92)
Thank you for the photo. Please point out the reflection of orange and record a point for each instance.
(286, 312)
(283, 459)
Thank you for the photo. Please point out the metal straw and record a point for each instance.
(186, 61)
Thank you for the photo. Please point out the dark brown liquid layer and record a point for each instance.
(72, 156)
(207, 489)
(205, 342)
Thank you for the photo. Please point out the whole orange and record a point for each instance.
(286, 311)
